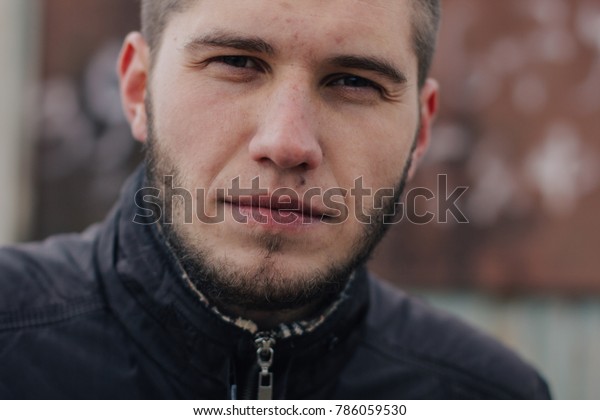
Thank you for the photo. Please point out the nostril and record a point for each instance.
(286, 152)
(287, 138)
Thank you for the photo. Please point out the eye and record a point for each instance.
(355, 82)
(238, 61)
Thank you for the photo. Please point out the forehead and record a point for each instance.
(373, 27)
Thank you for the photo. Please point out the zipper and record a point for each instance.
(264, 354)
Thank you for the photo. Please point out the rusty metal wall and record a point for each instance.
(558, 336)
(520, 126)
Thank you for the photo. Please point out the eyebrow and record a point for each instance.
(377, 65)
(225, 40)
(258, 45)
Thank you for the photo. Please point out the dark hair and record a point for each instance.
(426, 19)
(155, 15)
(426, 22)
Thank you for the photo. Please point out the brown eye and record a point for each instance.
(354, 82)
(238, 61)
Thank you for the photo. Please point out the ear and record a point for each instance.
(133, 69)
(428, 102)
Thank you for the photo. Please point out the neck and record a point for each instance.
(270, 319)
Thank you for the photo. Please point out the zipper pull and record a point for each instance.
(264, 355)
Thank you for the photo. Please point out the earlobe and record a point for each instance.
(428, 102)
(133, 70)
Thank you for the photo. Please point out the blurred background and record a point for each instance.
(519, 126)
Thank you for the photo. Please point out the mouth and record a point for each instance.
(276, 210)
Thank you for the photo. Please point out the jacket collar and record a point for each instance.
(151, 296)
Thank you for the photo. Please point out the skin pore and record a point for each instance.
(299, 95)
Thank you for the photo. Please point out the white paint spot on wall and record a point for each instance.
(553, 45)
(562, 170)
(547, 12)
(483, 87)
(494, 188)
(68, 139)
(586, 96)
(507, 56)
(529, 94)
(450, 143)
(588, 23)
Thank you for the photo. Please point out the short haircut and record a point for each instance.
(425, 22)
(425, 25)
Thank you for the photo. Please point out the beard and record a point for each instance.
(265, 286)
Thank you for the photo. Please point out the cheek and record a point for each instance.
(195, 125)
(375, 149)
(190, 109)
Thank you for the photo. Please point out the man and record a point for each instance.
(279, 136)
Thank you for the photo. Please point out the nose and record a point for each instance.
(287, 130)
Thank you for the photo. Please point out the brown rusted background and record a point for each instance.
(519, 125)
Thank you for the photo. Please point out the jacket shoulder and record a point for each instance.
(463, 361)
(56, 275)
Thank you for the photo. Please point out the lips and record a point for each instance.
(281, 210)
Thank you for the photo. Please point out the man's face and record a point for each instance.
(306, 97)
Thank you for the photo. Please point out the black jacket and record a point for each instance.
(107, 314)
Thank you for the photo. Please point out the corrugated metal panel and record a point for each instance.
(559, 337)
(18, 54)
